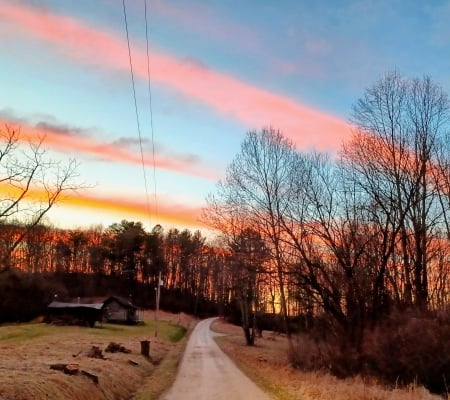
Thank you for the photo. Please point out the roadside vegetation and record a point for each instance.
(267, 364)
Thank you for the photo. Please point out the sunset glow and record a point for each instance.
(169, 212)
(172, 214)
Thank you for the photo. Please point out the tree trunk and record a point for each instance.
(145, 348)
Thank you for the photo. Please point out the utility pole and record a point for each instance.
(158, 297)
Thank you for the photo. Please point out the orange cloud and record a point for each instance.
(168, 212)
(171, 213)
(251, 105)
(79, 143)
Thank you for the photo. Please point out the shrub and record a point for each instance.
(402, 349)
(312, 354)
(408, 348)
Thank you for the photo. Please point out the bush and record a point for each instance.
(408, 348)
(402, 349)
(314, 353)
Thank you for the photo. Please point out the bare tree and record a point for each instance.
(255, 194)
(329, 235)
(249, 254)
(394, 156)
(31, 183)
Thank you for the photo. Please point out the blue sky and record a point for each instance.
(218, 69)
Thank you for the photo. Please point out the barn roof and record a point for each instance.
(60, 304)
(87, 304)
(122, 301)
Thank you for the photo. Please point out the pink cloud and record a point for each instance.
(73, 141)
(253, 106)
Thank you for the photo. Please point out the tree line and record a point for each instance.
(122, 259)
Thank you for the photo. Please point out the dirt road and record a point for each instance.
(206, 373)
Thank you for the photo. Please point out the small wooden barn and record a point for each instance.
(114, 309)
(119, 310)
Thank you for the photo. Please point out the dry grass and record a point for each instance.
(28, 350)
(164, 376)
(267, 364)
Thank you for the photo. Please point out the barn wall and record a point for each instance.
(115, 311)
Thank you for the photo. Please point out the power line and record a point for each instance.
(158, 290)
(151, 110)
(136, 110)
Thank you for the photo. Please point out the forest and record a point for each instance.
(346, 254)
(122, 259)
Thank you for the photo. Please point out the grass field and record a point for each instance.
(267, 364)
(28, 350)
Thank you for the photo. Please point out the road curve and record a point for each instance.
(206, 373)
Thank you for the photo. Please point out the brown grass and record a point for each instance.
(28, 350)
(267, 364)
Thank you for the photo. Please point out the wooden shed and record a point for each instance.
(87, 311)
(119, 310)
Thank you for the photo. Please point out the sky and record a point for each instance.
(217, 69)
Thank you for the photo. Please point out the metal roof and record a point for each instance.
(60, 304)
(122, 301)
(98, 306)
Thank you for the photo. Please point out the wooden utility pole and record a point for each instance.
(158, 297)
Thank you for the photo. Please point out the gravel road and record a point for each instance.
(206, 373)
